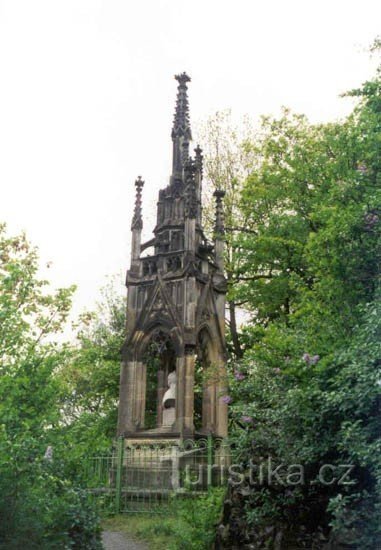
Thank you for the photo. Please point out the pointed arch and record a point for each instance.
(141, 339)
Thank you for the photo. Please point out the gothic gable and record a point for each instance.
(207, 315)
(158, 308)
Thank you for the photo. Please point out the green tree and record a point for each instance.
(229, 159)
(39, 506)
(89, 378)
(308, 390)
(30, 317)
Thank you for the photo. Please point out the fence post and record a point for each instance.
(210, 461)
(175, 464)
(119, 469)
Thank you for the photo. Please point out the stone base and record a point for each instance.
(164, 433)
(147, 439)
(169, 417)
(158, 461)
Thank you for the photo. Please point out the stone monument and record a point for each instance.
(175, 304)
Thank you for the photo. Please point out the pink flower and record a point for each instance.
(226, 399)
(239, 375)
(277, 370)
(247, 419)
(310, 360)
(362, 168)
(371, 219)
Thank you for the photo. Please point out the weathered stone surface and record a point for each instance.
(176, 299)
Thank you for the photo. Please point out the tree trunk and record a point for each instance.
(233, 330)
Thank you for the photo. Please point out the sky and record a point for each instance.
(87, 98)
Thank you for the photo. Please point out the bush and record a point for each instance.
(39, 508)
(190, 523)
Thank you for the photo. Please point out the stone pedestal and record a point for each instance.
(169, 417)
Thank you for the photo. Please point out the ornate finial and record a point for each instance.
(198, 152)
(137, 221)
(182, 78)
(190, 189)
(219, 227)
(181, 126)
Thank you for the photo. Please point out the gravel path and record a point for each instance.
(112, 540)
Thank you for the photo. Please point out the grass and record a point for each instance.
(189, 524)
(154, 530)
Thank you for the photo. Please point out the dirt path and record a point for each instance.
(113, 540)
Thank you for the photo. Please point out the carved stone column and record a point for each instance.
(185, 392)
(140, 394)
(180, 388)
(190, 360)
(208, 407)
(127, 393)
(161, 388)
(209, 396)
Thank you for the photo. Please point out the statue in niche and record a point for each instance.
(169, 401)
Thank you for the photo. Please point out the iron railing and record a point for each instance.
(148, 477)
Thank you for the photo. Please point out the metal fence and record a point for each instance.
(148, 477)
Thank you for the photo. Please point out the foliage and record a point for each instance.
(188, 523)
(28, 315)
(303, 220)
(39, 506)
(308, 389)
(229, 159)
(196, 520)
(89, 378)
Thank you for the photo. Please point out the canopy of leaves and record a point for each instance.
(40, 507)
(308, 389)
(89, 378)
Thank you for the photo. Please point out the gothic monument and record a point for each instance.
(175, 307)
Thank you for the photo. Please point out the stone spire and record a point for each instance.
(181, 132)
(219, 229)
(199, 159)
(136, 226)
(137, 221)
(191, 203)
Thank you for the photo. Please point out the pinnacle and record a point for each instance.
(182, 78)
